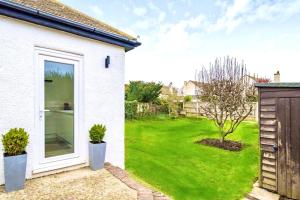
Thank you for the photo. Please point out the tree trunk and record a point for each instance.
(222, 136)
(222, 139)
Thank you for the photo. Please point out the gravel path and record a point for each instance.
(74, 185)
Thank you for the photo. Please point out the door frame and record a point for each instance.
(40, 163)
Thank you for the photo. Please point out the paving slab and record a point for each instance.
(80, 184)
(258, 193)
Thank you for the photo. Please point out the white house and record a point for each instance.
(190, 88)
(61, 71)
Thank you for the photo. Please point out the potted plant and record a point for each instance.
(97, 146)
(15, 158)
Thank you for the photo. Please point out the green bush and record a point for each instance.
(97, 133)
(187, 99)
(162, 106)
(15, 141)
(131, 109)
(145, 92)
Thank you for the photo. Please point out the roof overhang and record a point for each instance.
(44, 19)
(278, 85)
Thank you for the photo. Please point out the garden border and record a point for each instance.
(143, 193)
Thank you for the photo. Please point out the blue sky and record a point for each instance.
(179, 37)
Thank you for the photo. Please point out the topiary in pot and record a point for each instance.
(97, 133)
(15, 142)
(97, 146)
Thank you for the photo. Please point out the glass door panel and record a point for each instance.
(59, 108)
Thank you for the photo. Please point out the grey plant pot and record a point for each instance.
(14, 172)
(97, 155)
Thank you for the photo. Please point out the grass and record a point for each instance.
(163, 153)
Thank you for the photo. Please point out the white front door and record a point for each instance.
(57, 142)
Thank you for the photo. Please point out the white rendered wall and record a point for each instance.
(189, 89)
(103, 88)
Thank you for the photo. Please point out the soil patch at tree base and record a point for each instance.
(227, 144)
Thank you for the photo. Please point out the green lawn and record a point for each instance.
(162, 153)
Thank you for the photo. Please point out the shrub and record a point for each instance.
(174, 105)
(145, 110)
(97, 133)
(15, 141)
(163, 106)
(141, 91)
(187, 99)
(131, 108)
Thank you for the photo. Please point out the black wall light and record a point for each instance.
(107, 61)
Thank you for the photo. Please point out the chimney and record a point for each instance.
(170, 87)
(277, 77)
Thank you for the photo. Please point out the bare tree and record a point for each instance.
(226, 94)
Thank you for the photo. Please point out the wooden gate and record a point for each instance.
(280, 138)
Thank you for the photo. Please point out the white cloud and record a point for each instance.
(277, 11)
(142, 24)
(187, 14)
(152, 6)
(126, 7)
(168, 37)
(162, 16)
(179, 33)
(140, 11)
(221, 3)
(172, 52)
(247, 11)
(170, 5)
(97, 11)
(196, 22)
(231, 19)
(151, 23)
(186, 2)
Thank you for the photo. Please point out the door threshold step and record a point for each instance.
(56, 171)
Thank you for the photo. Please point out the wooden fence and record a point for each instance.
(193, 109)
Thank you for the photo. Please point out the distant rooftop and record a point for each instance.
(281, 84)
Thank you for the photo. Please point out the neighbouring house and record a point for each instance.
(168, 90)
(61, 71)
(191, 88)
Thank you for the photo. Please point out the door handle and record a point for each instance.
(41, 113)
(275, 148)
